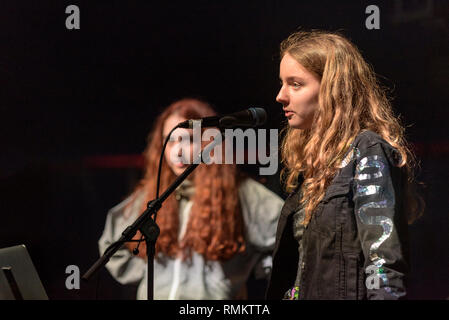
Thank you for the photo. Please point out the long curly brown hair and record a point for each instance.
(350, 101)
(215, 228)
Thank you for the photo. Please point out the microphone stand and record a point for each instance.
(147, 226)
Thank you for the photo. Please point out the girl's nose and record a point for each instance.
(282, 96)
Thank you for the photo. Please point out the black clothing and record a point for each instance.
(355, 245)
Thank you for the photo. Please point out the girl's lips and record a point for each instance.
(180, 165)
(288, 114)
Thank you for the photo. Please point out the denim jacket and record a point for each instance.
(356, 244)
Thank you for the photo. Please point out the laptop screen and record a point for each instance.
(18, 276)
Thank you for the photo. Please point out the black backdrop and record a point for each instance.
(69, 95)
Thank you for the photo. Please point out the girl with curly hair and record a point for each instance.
(342, 233)
(214, 230)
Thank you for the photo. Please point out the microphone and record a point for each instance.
(248, 118)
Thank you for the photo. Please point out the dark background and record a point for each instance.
(76, 106)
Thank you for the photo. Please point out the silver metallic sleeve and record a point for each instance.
(377, 201)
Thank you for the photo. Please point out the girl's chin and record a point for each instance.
(294, 123)
(178, 171)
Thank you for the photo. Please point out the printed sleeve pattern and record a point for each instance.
(377, 211)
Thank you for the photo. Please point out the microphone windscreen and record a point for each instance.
(259, 114)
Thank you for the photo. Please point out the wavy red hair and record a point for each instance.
(215, 228)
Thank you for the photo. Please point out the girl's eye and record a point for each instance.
(296, 84)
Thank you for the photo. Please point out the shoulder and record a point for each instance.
(129, 207)
(369, 138)
(261, 209)
(254, 189)
(371, 143)
(257, 200)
